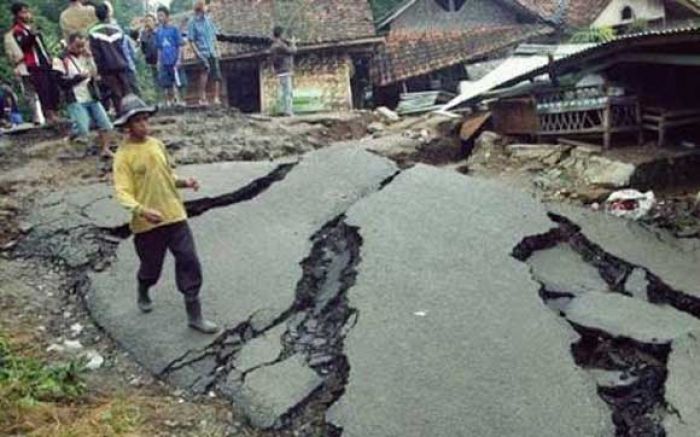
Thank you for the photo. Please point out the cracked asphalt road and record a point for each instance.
(381, 305)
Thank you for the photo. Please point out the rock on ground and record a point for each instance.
(250, 253)
(622, 316)
(452, 337)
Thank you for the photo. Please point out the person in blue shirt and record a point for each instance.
(201, 33)
(169, 43)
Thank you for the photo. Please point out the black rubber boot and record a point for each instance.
(195, 319)
(145, 303)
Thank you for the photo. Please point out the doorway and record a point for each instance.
(243, 85)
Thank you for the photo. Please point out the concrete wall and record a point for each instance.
(327, 75)
(643, 10)
(428, 15)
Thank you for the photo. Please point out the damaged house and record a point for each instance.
(636, 89)
(433, 44)
(336, 40)
(428, 42)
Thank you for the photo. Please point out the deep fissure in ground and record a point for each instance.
(316, 325)
(638, 406)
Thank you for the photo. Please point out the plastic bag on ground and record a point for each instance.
(630, 204)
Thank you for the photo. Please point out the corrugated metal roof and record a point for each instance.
(513, 67)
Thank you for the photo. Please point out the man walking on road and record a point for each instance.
(201, 33)
(146, 185)
(283, 52)
(107, 46)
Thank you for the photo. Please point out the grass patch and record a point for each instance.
(49, 399)
(27, 380)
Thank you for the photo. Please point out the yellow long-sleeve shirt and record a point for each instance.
(144, 178)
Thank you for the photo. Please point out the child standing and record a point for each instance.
(169, 43)
(146, 185)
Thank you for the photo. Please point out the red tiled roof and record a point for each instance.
(310, 21)
(579, 13)
(543, 8)
(411, 54)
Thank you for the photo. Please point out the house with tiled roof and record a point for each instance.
(428, 42)
(336, 40)
(578, 14)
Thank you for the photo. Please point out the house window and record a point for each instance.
(451, 5)
(627, 13)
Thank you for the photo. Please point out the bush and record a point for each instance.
(593, 35)
(28, 381)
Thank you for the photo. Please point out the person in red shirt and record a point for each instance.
(36, 59)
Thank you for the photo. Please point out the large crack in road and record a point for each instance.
(313, 328)
(631, 373)
(285, 358)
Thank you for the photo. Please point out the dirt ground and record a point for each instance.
(41, 304)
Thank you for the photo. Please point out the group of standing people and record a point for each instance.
(98, 66)
(163, 43)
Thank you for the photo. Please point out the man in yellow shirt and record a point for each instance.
(146, 185)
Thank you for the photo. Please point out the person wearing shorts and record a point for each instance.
(169, 44)
(81, 93)
(201, 33)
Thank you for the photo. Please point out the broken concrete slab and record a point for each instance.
(682, 387)
(261, 350)
(250, 253)
(272, 391)
(561, 270)
(622, 316)
(452, 337)
(637, 284)
(674, 261)
(222, 178)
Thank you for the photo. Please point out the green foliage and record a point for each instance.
(179, 6)
(27, 381)
(593, 35)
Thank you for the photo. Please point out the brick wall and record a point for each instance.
(325, 74)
